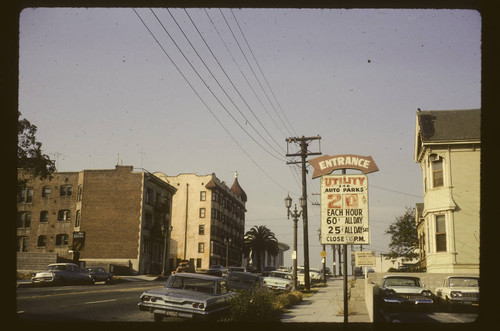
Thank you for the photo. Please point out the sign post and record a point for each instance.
(344, 203)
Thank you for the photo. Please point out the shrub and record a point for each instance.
(254, 306)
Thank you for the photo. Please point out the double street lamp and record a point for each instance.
(295, 216)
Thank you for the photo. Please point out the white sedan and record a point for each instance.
(279, 280)
(459, 291)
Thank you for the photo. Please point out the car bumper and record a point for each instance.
(177, 311)
(397, 301)
(465, 302)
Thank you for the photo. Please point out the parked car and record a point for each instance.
(404, 291)
(314, 276)
(458, 291)
(183, 267)
(98, 274)
(237, 281)
(284, 269)
(188, 295)
(279, 280)
(240, 269)
(266, 270)
(61, 273)
(217, 270)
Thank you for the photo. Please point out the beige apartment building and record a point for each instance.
(208, 220)
(448, 149)
(111, 218)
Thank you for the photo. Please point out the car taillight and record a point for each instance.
(145, 298)
(153, 299)
(456, 294)
(198, 305)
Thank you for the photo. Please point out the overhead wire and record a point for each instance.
(251, 68)
(260, 69)
(204, 82)
(203, 101)
(235, 88)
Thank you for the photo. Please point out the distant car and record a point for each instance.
(240, 269)
(458, 291)
(61, 273)
(279, 280)
(183, 267)
(314, 276)
(217, 270)
(404, 291)
(284, 269)
(188, 295)
(98, 274)
(267, 269)
(237, 281)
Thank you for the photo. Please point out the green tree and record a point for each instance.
(258, 240)
(29, 153)
(404, 236)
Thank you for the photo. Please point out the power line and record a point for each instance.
(206, 85)
(204, 103)
(260, 69)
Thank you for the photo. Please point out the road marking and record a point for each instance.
(129, 289)
(91, 302)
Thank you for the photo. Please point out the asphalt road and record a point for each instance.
(99, 302)
(117, 302)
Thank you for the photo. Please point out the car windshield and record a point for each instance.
(412, 282)
(56, 267)
(192, 284)
(464, 282)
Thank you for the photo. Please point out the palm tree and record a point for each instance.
(258, 240)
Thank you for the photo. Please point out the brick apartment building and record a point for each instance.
(105, 217)
(208, 220)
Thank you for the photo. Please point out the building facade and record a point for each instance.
(448, 149)
(208, 220)
(97, 217)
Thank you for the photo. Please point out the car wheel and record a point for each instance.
(92, 280)
(158, 317)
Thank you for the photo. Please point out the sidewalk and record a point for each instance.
(327, 306)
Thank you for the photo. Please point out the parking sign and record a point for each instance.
(344, 210)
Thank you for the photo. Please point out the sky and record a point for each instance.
(219, 90)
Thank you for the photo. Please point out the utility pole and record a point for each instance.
(304, 153)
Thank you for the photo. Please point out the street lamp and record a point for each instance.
(166, 230)
(227, 242)
(295, 216)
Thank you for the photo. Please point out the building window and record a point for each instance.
(25, 195)
(42, 241)
(77, 218)
(22, 244)
(201, 229)
(203, 195)
(80, 193)
(202, 212)
(46, 192)
(437, 173)
(44, 216)
(23, 219)
(148, 221)
(149, 196)
(62, 240)
(63, 215)
(440, 233)
(201, 247)
(66, 190)
(198, 263)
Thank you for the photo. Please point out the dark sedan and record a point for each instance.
(98, 274)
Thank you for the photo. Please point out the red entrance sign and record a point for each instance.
(325, 164)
